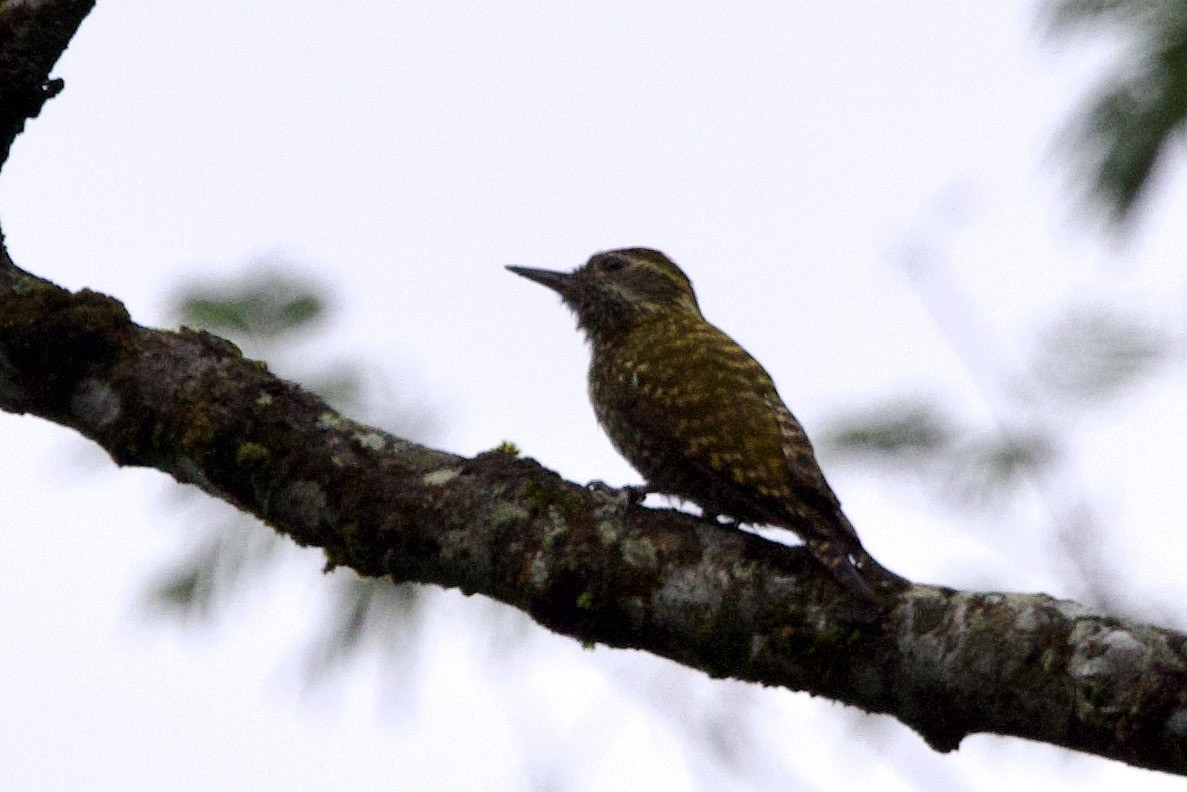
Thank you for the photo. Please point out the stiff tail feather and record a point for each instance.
(840, 563)
(856, 569)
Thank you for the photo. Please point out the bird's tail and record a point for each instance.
(856, 569)
(843, 566)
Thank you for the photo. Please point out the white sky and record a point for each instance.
(783, 154)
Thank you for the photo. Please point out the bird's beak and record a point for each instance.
(559, 282)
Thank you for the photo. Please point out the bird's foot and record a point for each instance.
(631, 496)
(636, 495)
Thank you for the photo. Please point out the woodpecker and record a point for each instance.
(696, 415)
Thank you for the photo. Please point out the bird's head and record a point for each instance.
(616, 289)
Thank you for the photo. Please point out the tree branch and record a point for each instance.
(581, 561)
(585, 562)
(33, 35)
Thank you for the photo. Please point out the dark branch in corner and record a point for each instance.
(33, 35)
(582, 562)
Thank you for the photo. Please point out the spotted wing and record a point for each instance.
(700, 418)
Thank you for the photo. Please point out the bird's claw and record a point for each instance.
(632, 495)
(636, 495)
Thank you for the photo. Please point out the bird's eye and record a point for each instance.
(613, 264)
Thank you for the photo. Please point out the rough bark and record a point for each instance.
(582, 561)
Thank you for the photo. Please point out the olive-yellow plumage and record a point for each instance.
(695, 414)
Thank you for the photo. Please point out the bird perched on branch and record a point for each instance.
(696, 415)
